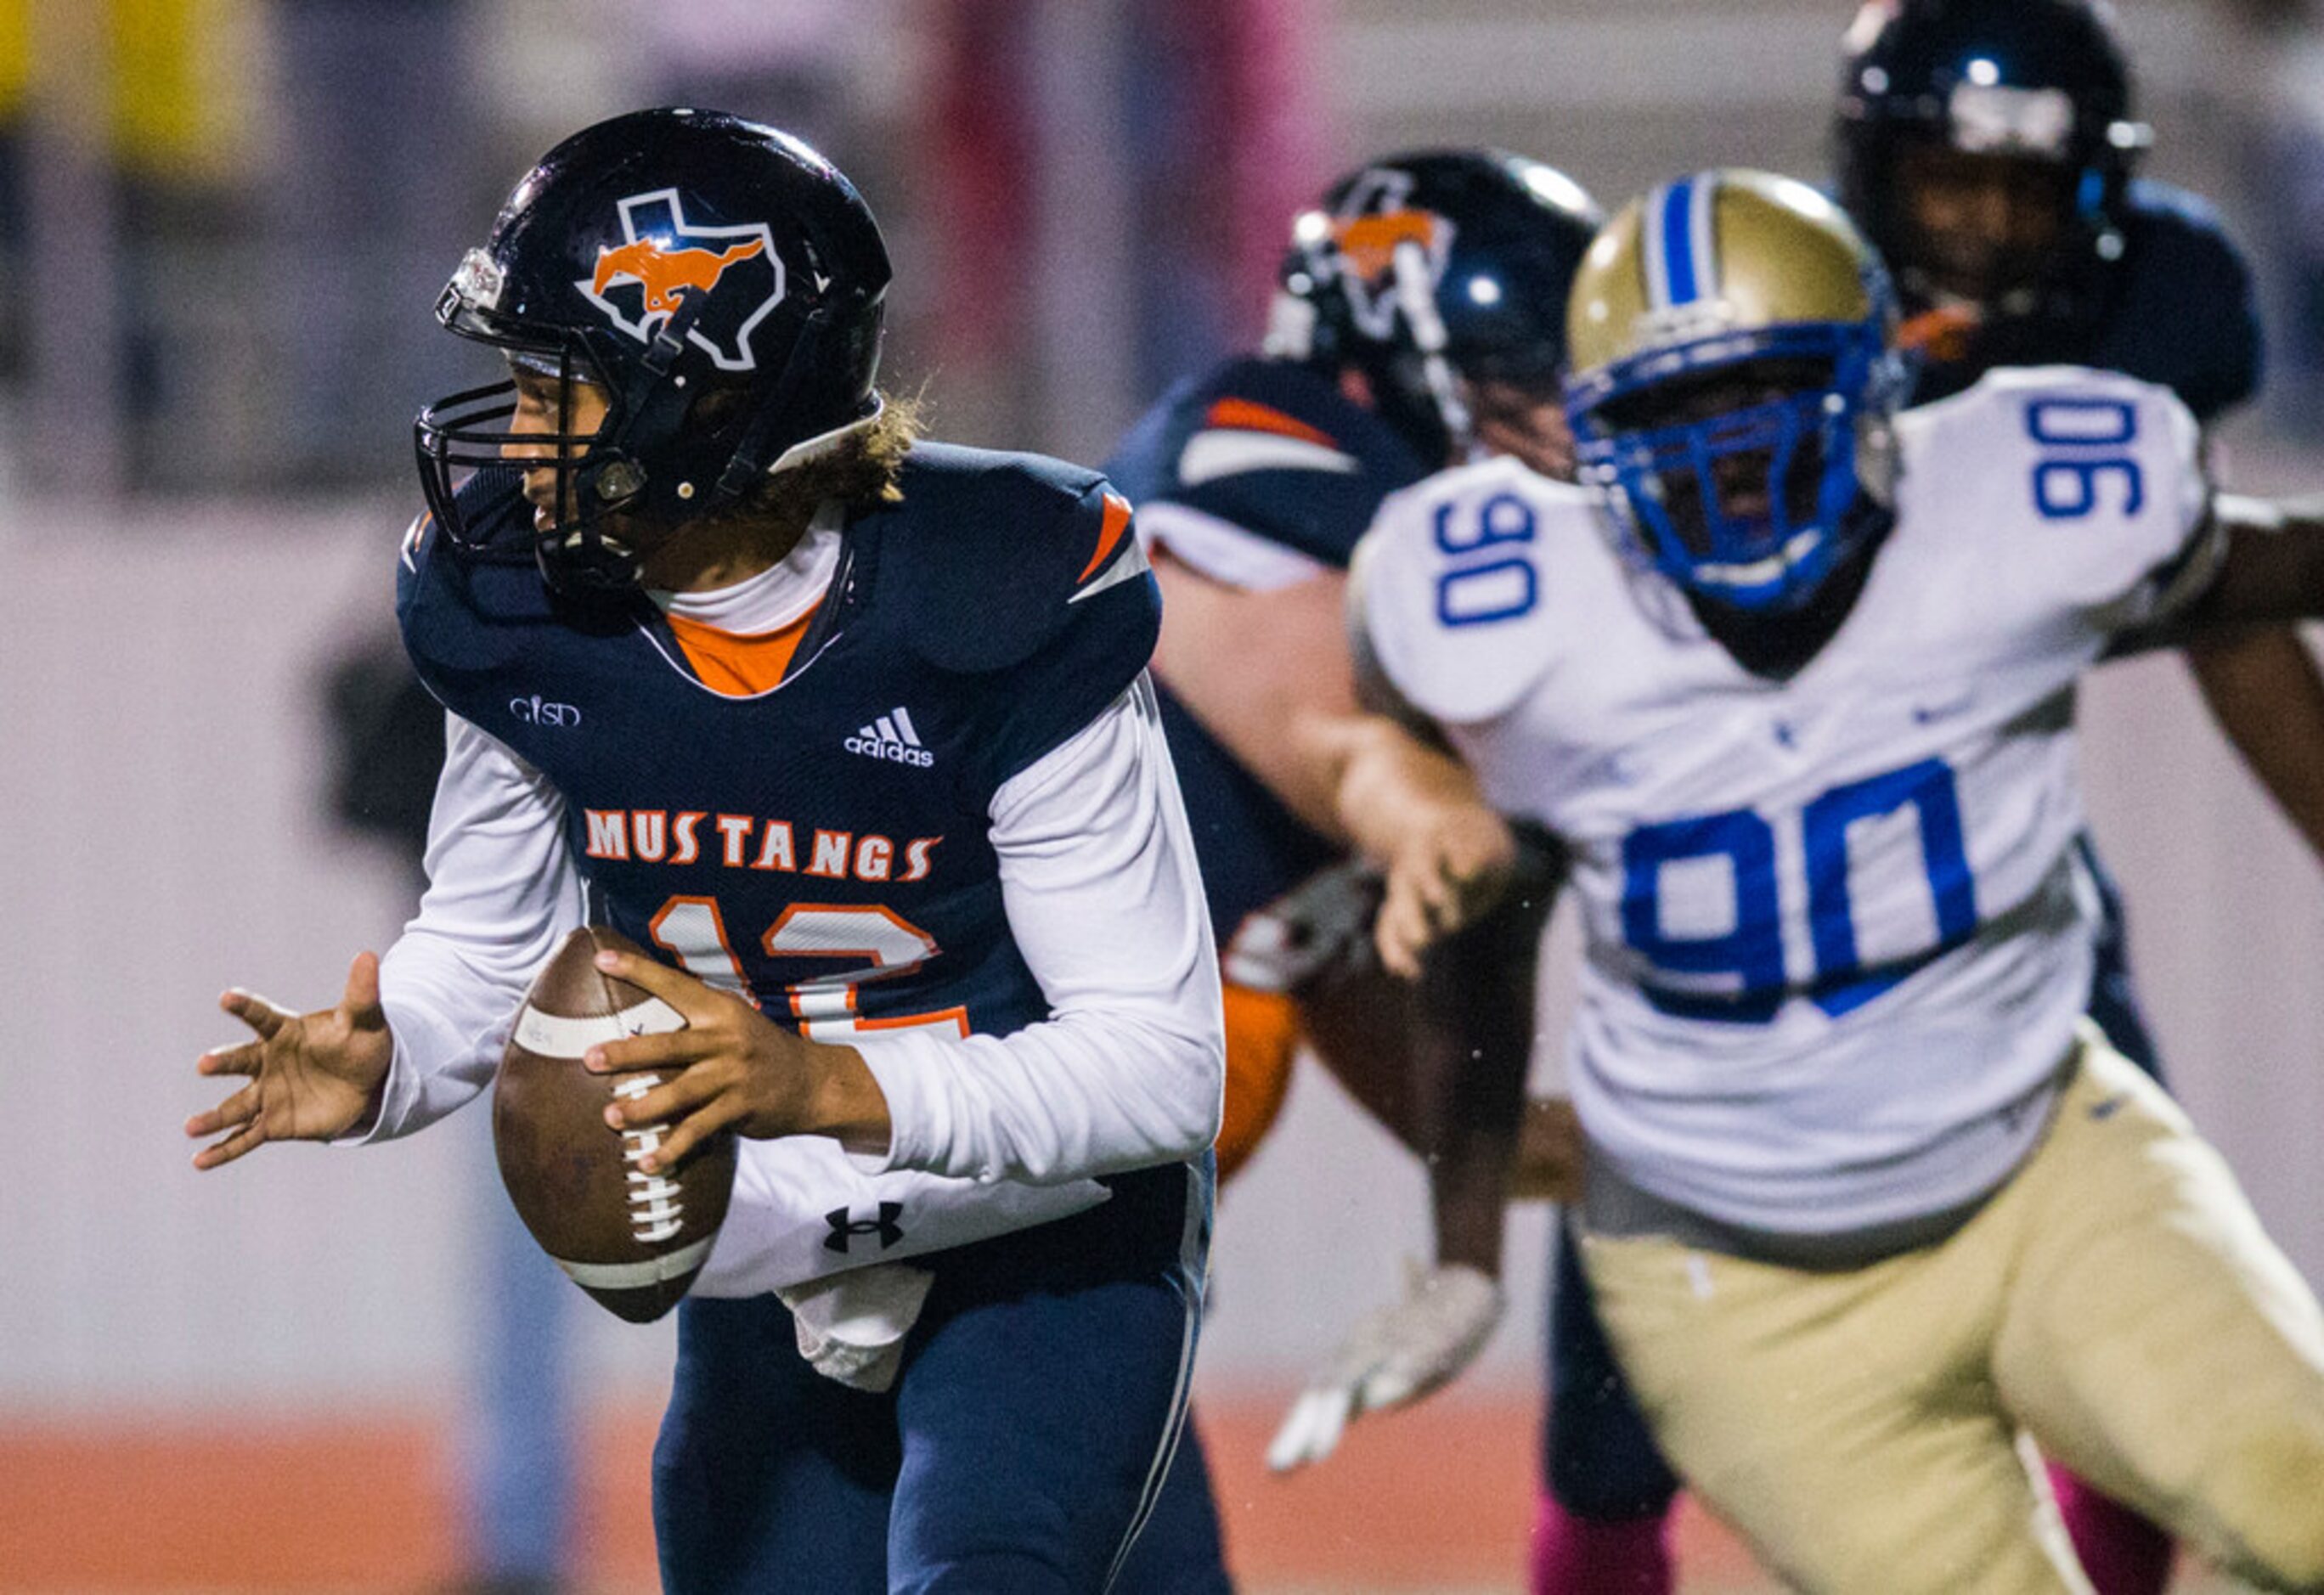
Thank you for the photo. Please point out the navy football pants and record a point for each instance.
(1025, 1437)
(1181, 1552)
(1599, 1458)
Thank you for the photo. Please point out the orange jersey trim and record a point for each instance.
(1245, 415)
(739, 664)
(1108, 535)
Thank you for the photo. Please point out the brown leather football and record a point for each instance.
(632, 1240)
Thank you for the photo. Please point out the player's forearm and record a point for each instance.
(1469, 1196)
(1257, 668)
(1056, 1102)
(1384, 779)
(2264, 690)
(2271, 569)
(844, 1100)
(502, 892)
(1476, 1008)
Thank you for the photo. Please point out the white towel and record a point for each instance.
(852, 1325)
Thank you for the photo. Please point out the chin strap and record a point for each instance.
(749, 465)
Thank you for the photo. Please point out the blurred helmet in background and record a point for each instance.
(1986, 146)
(1429, 269)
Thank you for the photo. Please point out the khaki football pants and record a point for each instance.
(2117, 1298)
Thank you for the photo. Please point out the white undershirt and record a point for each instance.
(1098, 880)
(776, 597)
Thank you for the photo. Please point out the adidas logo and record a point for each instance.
(892, 737)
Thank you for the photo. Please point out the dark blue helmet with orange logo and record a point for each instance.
(2039, 85)
(1425, 268)
(720, 281)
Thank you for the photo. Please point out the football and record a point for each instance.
(633, 1240)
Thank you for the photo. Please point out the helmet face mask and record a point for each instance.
(716, 281)
(534, 427)
(1429, 274)
(1735, 387)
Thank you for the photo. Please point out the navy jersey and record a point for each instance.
(1268, 459)
(822, 845)
(2178, 312)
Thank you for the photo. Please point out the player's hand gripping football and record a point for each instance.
(312, 1075)
(735, 1069)
(1399, 1353)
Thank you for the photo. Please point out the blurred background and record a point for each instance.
(222, 227)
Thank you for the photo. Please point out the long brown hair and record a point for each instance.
(863, 473)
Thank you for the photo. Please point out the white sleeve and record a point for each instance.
(1099, 880)
(502, 891)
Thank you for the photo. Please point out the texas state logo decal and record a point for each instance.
(666, 260)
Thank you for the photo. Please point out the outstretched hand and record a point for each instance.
(1399, 1353)
(312, 1075)
(731, 1068)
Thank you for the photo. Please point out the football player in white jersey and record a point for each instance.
(1792, 676)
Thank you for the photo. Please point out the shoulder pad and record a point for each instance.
(2077, 486)
(463, 609)
(1454, 595)
(2186, 316)
(990, 555)
(1273, 448)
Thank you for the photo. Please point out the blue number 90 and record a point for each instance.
(1477, 593)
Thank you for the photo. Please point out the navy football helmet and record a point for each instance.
(2039, 88)
(1433, 265)
(721, 285)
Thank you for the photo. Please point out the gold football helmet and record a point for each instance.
(1734, 378)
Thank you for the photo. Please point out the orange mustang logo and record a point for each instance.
(1370, 242)
(665, 273)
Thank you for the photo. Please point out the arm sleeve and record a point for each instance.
(501, 890)
(1098, 875)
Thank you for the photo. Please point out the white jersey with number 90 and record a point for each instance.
(1837, 935)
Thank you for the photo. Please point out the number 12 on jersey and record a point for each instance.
(1736, 975)
(693, 932)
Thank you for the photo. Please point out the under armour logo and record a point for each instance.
(843, 1227)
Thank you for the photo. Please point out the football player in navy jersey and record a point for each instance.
(1417, 323)
(1986, 147)
(854, 731)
